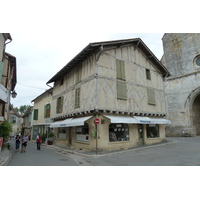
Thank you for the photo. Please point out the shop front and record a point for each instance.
(114, 132)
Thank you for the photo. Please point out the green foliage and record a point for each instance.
(22, 109)
(5, 130)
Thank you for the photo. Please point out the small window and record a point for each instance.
(148, 74)
(118, 132)
(152, 130)
(151, 96)
(59, 107)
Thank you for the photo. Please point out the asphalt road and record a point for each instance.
(184, 151)
(44, 157)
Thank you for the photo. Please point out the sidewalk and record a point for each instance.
(5, 155)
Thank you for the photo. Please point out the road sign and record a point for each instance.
(1, 142)
(97, 121)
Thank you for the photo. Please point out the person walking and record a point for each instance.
(38, 141)
(24, 143)
(17, 141)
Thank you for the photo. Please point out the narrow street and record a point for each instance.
(44, 157)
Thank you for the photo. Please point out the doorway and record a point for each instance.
(196, 114)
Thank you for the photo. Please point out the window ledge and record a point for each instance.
(119, 142)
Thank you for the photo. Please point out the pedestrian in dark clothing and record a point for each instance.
(38, 141)
(17, 142)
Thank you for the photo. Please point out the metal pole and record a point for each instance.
(96, 139)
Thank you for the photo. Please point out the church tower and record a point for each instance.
(182, 59)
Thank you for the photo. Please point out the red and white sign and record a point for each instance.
(1, 142)
(97, 121)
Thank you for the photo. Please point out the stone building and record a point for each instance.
(118, 82)
(182, 59)
(8, 77)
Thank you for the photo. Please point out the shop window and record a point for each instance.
(152, 130)
(62, 133)
(118, 132)
(82, 133)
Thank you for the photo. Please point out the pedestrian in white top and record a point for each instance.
(24, 143)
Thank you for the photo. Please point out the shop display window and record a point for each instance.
(152, 130)
(82, 133)
(62, 133)
(118, 132)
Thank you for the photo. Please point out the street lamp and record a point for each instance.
(14, 94)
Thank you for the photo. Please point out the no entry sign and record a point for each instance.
(97, 121)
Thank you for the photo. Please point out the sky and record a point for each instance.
(41, 55)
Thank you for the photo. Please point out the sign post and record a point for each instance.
(1, 143)
(96, 121)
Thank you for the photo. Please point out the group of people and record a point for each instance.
(24, 141)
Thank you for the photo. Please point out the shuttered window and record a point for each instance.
(120, 68)
(151, 96)
(59, 107)
(77, 97)
(121, 90)
(35, 114)
(121, 81)
(47, 111)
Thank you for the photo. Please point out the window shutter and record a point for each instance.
(45, 111)
(151, 96)
(77, 98)
(121, 90)
(120, 68)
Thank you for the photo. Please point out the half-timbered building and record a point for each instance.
(119, 83)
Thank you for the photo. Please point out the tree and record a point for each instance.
(5, 130)
(22, 109)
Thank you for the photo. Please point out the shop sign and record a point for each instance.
(1, 142)
(97, 121)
